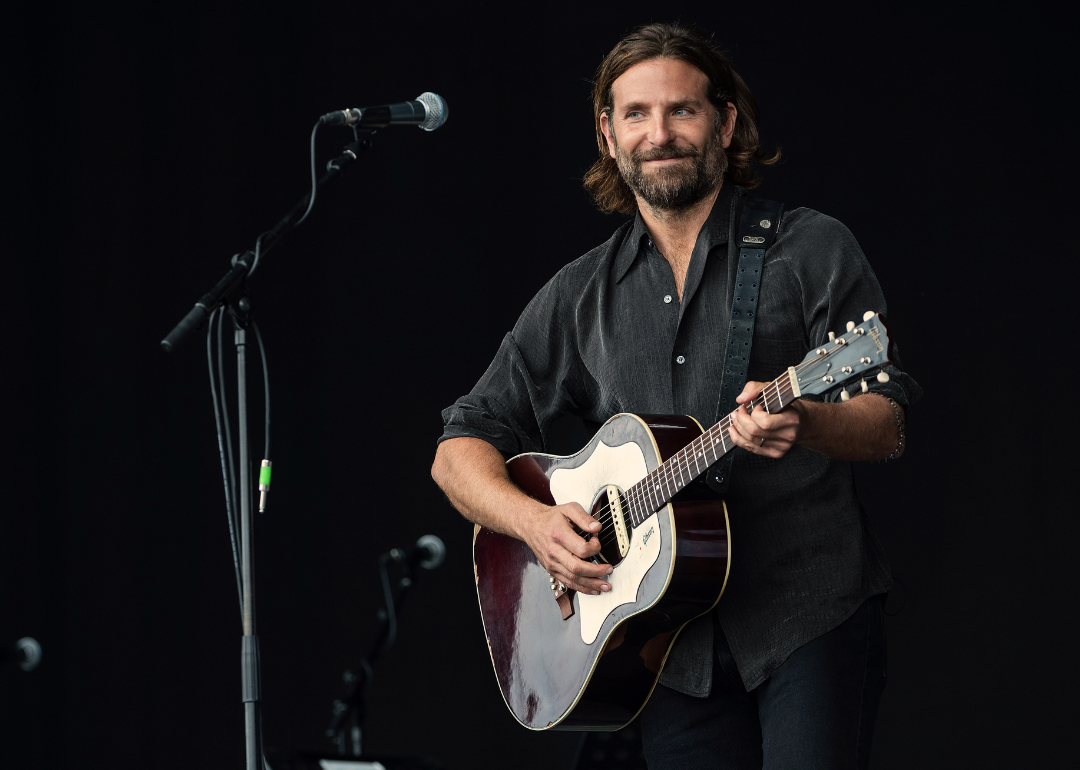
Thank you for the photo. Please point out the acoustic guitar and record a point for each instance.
(571, 661)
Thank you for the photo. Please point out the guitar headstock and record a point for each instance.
(861, 351)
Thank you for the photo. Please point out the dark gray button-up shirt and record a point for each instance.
(607, 334)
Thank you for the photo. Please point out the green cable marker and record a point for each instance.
(264, 484)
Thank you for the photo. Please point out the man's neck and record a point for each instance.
(676, 232)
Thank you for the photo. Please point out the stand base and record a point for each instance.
(290, 759)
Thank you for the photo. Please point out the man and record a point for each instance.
(788, 671)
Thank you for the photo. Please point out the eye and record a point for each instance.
(682, 111)
(634, 114)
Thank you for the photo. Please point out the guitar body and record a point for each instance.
(595, 669)
(570, 661)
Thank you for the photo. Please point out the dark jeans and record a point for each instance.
(815, 712)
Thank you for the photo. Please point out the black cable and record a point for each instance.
(266, 391)
(314, 179)
(221, 452)
(234, 521)
(391, 611)
(258, 252)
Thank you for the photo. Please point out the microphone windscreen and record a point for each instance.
(437, 112)
(436, 551)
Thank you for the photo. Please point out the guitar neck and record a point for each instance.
(660, 485)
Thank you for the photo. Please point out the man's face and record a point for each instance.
(662, 133)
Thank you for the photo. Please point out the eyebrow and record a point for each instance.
(695, 101)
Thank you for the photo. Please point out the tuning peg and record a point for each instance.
(850, 325)
(864, 386)
(832, 336)
(868, 315)
(845, 396)
(882, 377)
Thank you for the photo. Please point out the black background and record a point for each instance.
(144, 146)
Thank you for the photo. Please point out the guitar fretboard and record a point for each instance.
(654, 491)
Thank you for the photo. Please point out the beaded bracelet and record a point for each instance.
(899, 429)
(900, 420)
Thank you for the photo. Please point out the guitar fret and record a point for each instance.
(670, 477)
(658, 486)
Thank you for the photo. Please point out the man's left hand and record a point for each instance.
(771, 435)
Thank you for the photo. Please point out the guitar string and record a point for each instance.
(683, 460)
(636, 496)
(773, 392)
(690, 455)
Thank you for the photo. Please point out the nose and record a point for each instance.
(659, 133)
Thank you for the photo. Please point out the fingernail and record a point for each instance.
(605, 587)
(609, 570)
(595, 525)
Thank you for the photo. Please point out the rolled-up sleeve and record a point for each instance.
(526, 386)
(838, 285)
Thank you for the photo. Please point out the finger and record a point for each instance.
(584, 575)
(767, 423)
(576, 544)
(747, 434)
(574, 566)
(747, 431)
(750, 391)
(593, 586)
(575, 513)
(584, 568)
(767, 446)
(735, 433)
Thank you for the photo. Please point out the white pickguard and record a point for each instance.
(622, 466)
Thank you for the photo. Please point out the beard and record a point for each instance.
(678, 187)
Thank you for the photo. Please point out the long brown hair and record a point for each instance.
(673, 41)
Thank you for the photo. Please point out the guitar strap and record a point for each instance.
(758, 222)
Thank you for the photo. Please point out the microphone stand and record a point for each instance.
(354, 707)
(231, 291)
(225, 288)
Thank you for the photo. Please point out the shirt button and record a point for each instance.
(667, 299)
(680, 360)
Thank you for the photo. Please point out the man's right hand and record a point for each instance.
(473, 475)
(550, 534)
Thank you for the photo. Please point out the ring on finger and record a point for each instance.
(762, 442)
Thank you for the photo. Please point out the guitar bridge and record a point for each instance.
(562, 597)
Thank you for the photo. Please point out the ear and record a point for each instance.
(727, 128)
(605, 127)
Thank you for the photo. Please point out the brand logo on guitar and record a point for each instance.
(647, 535)
(876, 334)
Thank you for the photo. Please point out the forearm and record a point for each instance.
(864, 428)
(472, 474)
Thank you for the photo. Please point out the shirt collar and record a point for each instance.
(715, 230)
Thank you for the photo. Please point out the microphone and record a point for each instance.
(429, 552)
(428, 110)
(26, 652)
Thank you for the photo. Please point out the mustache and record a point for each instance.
(666, 153)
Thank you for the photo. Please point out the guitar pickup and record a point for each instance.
(618, 523)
